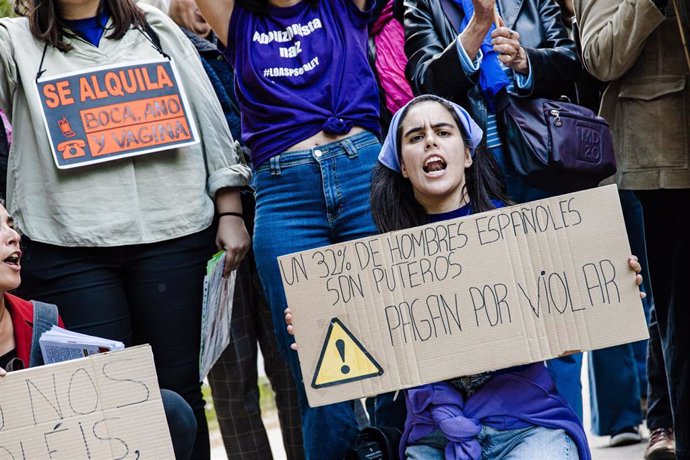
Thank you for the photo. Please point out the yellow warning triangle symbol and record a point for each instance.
(343, 359)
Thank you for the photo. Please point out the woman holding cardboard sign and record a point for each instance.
(482, 53)
(433, 167)
(120, 152)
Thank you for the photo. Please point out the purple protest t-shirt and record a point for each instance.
(300, 70)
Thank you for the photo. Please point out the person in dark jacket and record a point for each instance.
(456, 51)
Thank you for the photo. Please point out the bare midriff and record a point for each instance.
(322, 138)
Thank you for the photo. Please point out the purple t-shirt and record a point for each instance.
(300, 70)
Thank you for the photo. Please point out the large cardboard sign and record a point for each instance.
(512, 286)
(103, 406)
(112, 112)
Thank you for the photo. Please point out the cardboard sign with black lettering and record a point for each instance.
(511, 286)
(112, 112)
(103, 406)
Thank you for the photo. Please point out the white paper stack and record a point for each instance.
(59, 345)
(216, 313)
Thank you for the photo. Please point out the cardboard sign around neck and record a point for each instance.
(107, 113)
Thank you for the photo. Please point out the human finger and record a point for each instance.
(506, 49)
(232, 262)
(635, 264)
(505, 33)
(506, 59)
(514, 44)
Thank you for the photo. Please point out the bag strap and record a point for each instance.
(452, 13)
(155, 40)
(45, 317)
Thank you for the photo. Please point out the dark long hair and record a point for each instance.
(46, 22)
(393, 204)
(261, 6)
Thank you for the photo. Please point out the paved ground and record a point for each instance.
(599, 445)
(602, 451)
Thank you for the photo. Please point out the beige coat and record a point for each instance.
(632, 45)
(146, 199)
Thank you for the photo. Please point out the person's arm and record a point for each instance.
(185, 14)
(8, 72)
(232, 235)
(555, 62)
(472, 37)
(217, 13)
(432, 67)
(613, 33)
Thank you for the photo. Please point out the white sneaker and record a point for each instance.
(625, 437)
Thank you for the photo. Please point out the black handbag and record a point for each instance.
(557, 145)
(375, 443)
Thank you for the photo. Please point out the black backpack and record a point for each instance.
(45, 317)
(375, 443)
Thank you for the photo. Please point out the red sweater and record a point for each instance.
(22, 313)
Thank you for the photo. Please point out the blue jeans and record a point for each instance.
(565, 371)
(634, 224)
(616, 377)
(306, 199)
(521, 444)
(181, 423)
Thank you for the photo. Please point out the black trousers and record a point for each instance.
(658, 403)
(667, 227)
(148, 293)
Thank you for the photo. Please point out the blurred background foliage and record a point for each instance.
(6, 8)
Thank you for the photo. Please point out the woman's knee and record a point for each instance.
(181, 423)
(422, 452)
(543, 442)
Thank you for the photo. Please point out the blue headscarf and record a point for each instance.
(492, 78)
(389, 151)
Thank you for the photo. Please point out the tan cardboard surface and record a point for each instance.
(103, 406)
(511, 286)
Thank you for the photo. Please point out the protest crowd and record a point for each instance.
(281, 126)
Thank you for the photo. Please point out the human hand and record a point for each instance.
(3, 372)
(637, 268)
(290, 327)
(484, 10)
(186, 14)
(506, 43)
(233, 238)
